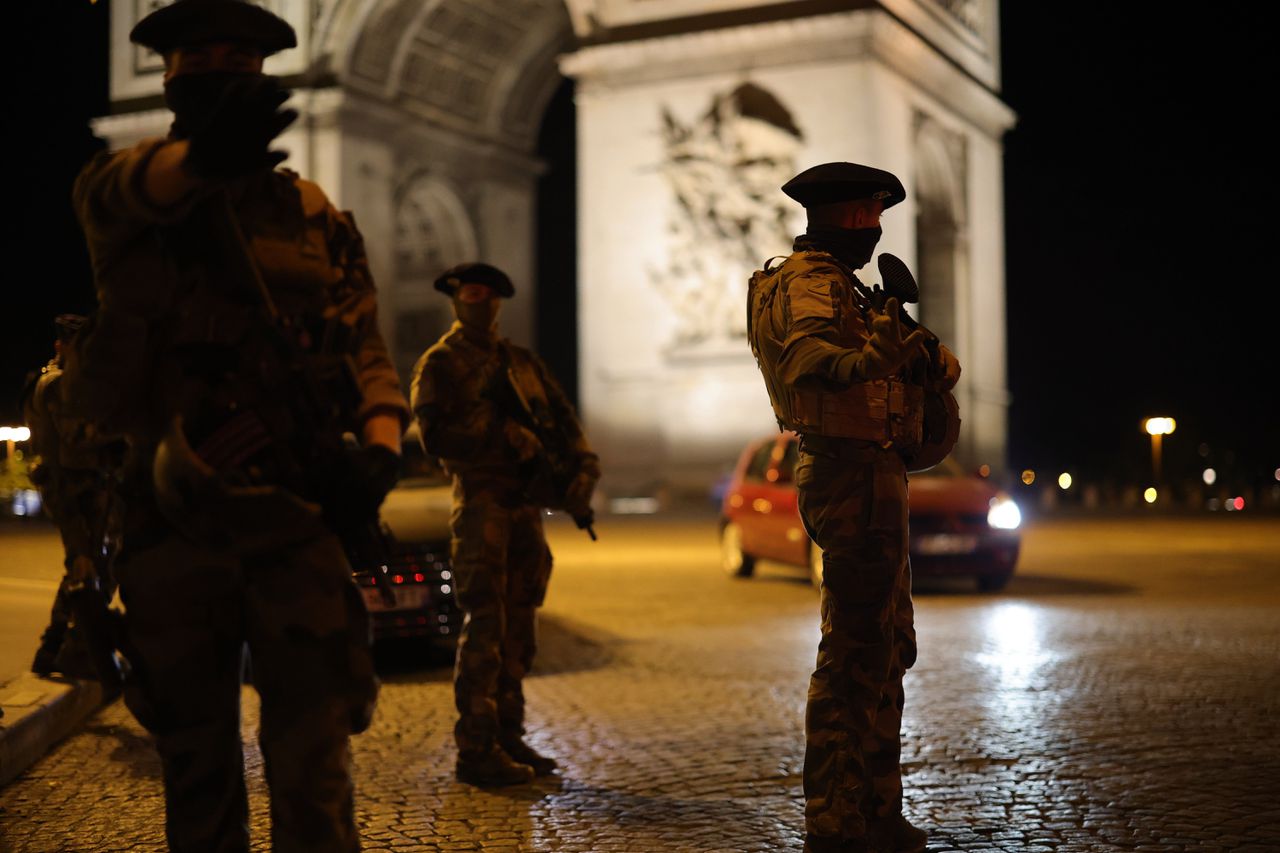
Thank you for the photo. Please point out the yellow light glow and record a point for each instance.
(1159, 426)
(20, 433)
(735, 501)
(1028, 476)
(1064, 481)
(1149, 495)
(985, 471)
(761, 505)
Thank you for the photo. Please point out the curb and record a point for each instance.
(39, 712)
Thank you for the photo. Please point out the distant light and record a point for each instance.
(1238, 503)
(1210, 476)
(1159, 426)
(1064, 481)
(633, 506)
(1204, 449)
(1004, 514)
(1028, 476)
(19, 433)
(771, 475)
(1149, 495)
(1278, 475)
(1214, 504)
(761, 506)
(985, 471)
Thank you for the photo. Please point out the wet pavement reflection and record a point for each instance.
(1121, 694)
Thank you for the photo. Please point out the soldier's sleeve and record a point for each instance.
(452, 425)
(809, 356)
(111, 204)
(566, 416)
(356, 308)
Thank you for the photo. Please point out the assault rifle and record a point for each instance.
(555, 467)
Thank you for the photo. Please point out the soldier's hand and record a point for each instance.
(235, 140)
(521, 441)
(886, 351)
(577, 498)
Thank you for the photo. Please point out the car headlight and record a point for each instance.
(1004, 514)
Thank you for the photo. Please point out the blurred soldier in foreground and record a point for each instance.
(76, 477)
(234, 346)
(869, 393)
(495, 416)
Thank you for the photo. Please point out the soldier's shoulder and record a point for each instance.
(314, 199)
(812, 263)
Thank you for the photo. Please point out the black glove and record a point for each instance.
(356, 484)
(234, 140)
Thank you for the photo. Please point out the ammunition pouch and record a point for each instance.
(213, 510)
(887, 411)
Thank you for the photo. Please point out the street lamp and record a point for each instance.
(1158, 428)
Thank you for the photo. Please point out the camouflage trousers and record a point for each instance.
(853, 501)
(501, 566)
(190, 612)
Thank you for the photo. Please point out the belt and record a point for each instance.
(834, 447)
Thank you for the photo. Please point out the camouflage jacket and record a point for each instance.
(71, 471)
(171, 319)
(807, 323)
(463, 408)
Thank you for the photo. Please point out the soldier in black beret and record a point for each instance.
(492, 412)
(848, 371)
(220, 281)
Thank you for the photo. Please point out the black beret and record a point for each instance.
(185, 23)
(831, 183)
(475, 273)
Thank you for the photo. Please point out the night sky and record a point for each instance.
(1136, 225)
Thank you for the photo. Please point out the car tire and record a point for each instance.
(993, 583)
(735, 562)
(815, 565)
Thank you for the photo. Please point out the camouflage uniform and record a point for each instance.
(500, 557)
(74, 475)
(172, 338)
(806, 316)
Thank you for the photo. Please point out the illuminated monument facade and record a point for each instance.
(422, 116)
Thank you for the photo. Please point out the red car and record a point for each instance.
(960, 523)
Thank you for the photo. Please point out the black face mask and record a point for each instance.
(851, 246)
(194, 97)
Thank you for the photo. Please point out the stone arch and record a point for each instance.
(941, 230)
(460, 86)
(485, 67)
(942, 248)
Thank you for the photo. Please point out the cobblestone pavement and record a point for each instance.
(1122, 694)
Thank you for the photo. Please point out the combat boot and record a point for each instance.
(46, 660)
(514, 745)
(492, 769)
(895, 834)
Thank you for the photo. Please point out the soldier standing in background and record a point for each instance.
(234, 344)
(841, 372)
(75, 476)
(495, 416)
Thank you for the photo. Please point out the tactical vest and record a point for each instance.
(888, 411)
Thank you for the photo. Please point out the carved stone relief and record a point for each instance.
(727, 214)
